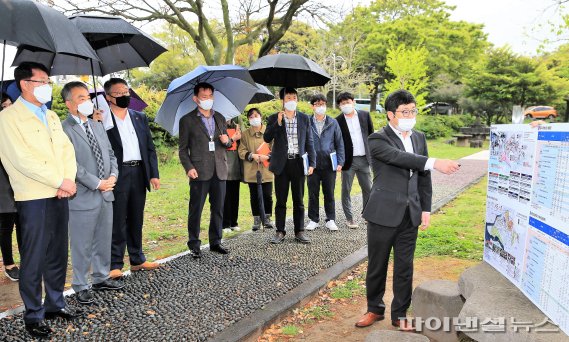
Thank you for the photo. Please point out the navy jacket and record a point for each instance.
(277, 134)
(145, 143)
(330, 140)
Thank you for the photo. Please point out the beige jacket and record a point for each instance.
(250, 142)
(37, 158)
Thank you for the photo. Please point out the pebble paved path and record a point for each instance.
(192, 300)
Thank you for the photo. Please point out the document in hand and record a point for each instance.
(265, 150)
(305, 163)
(334, 159)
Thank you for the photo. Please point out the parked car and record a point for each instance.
(540, 112)
(365, 104)
(438, 108)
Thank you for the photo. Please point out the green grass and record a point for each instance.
(290, 330)
(347, 290)
(319, 312)
(457, 230)
(439, 149)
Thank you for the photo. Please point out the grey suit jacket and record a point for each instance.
(393, 190)
(193, 146)
(88, 197)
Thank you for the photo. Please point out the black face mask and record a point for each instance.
(123, 101)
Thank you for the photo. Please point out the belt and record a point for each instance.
(293, 156)
(132, 163)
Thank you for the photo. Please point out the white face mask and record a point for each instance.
(347, 108)
(206, 104)
(405, 125)
(320, 110)
(86, 108)
(43, 93)
(255, 122)
(290, 105)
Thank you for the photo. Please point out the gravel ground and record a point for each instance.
(191, 300)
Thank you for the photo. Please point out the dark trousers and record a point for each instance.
(43, 255)
(231, 204)
(293, 176)
(128, 217)
(198, 192)
(381, 239)
(7, 223)
(267, 189)
(327, 178)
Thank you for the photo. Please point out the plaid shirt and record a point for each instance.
(292, 133)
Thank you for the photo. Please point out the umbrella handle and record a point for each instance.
(3, 59)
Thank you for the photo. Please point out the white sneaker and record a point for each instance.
(236, 228)
(311, 225)
(331, 225)
(227, 230)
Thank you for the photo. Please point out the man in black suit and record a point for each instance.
(202, 150)
(356, 126)
(399, 202)
(289, 130)
(131, 141)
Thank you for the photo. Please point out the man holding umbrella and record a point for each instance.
(40, 161)
(292, 159)
(202, 150)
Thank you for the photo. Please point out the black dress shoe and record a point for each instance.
(218, 249)
(85, 297)
(66, 313)
(300, 237)
(109, 284)
(196, 253)
(279, 238)
(39, 329)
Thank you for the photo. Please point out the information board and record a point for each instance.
(527, 213)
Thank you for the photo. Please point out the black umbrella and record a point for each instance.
(262, 95)
(38, 27)
(118, 44)
(288, 70)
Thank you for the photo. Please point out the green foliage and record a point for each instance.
(57, 103)
(506, 79)
(154, 100)
(291, 330)
(319, 312)
(435, 126)
(181, 57)
(409, 70)
(348, 290)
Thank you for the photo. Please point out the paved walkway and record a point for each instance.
(194, 300)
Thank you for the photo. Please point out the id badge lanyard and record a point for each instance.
(211, 131)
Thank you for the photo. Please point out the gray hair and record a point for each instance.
(66, 91)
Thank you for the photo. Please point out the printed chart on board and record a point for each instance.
(527, 213)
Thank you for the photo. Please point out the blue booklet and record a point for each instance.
(305, 163)
(334, 159)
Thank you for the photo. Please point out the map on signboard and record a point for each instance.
(504, 238)
(511, 151)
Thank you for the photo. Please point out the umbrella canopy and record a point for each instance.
(263, 94)
(119, 45)
(25, 22)
(233, 85)
(288, 70)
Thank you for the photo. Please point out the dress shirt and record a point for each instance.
(356, 134)
(131, 149)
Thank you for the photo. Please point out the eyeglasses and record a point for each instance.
(42, 82)
(408, 113)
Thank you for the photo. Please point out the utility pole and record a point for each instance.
(334, 58)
